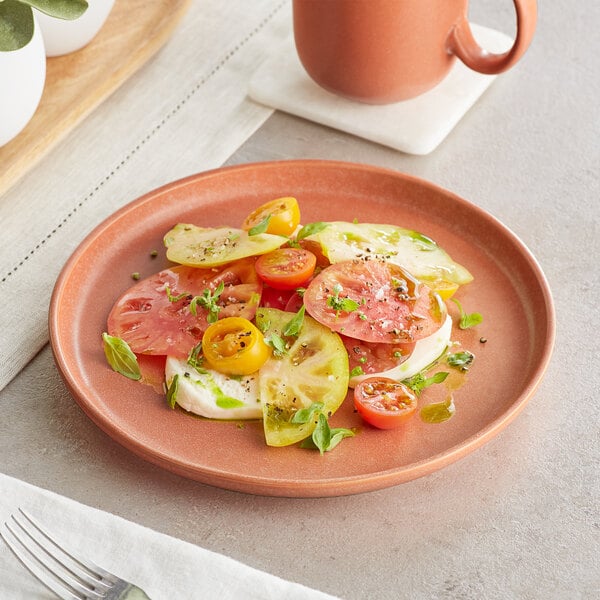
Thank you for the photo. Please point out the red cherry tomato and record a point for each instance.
(286, 268)
(272, 298)
(384, 403)
(374, 301)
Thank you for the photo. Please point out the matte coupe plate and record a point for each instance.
(509, 289)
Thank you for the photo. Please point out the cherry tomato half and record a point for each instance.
(234, 346)
(384, 403)
(272, 298)
(283, 213)
(286, 268)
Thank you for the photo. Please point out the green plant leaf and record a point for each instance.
(295, 324)
(467, 320)
(16, 25)
(61, 9)
(120, 357)
(16, 18)
(304, 415)
(461, 360)
(172, 391)
(310, 229)
(260, 227)
(417, 383)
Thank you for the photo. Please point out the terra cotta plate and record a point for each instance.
(509, 289)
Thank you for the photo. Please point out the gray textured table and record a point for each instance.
(516, 519)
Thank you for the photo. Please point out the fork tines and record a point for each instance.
(69, 577)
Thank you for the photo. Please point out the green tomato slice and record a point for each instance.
(312, 368)
(201, 247)
(415, 252)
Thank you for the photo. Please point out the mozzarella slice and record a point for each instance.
(426, 351)
(212, 394)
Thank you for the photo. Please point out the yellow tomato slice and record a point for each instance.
(195, 246)
(312, 368)
(234, 346)
(283, 216)
(415, 252)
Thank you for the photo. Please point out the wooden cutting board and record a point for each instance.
(78, 82)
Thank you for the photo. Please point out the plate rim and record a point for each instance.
(348, 484)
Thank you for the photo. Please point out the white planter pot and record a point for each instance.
(22, 78)
(63, 37)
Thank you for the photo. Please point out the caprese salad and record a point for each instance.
(276, 321)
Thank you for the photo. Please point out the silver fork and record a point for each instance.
(69, 577)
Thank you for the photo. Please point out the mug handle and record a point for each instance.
(462, 44)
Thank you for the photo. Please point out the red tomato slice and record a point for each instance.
(272, 298)
(375, 358)
(286, 268)
(151, 323)
(294, 303)
(152, 369)
(384, 403)
(374, 301)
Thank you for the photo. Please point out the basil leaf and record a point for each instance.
(120, 357)
(461, 360)
(321, 436)
(304, 415)
(337, 435)
(261, 227)
(310, 229)
(295, 324)
(419, 382)
(277, 343)
(467, 320)
(172, 391)
(324, 438)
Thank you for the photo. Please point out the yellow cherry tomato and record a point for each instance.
(283, 215)
(234, 346)
(443, 287)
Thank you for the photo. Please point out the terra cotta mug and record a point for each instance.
(383, 51)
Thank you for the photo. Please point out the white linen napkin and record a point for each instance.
(165, 567)
(184, 112)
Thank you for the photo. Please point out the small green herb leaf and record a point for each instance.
(304, 415)
(173, 298)
(172, 391)
(277, 343)
(419, 382)
(461, 360)
(261, 227)
(310, 229)
(325, 438)
(208, 300)
(341, 304)
(467, 320)
(295, 324)
(120, 357)
(356, 371)
(227, 402)
(196, 358)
